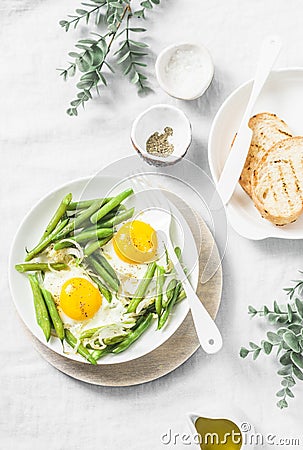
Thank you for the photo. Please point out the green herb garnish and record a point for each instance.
(286, 338)
(91, 59)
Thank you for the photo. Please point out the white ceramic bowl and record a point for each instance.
(192, 87)
(282, 95)
(155, 119)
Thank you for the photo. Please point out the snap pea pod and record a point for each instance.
(57, 216)
(160, 271)
(119, 218)
(166, 312)
(169, 292)
(103, 289)
(141, 289)
(43, 267)
(42, 316)
(95, 245)
(103, 261)
(53, 312)
(107, 278)
(133, 335)
(83, 204)
(79, 220)
(72, 341)
(115, 201)
(43, 244)
(85, 236)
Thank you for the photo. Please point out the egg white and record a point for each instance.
(130, 275)
(109, 313)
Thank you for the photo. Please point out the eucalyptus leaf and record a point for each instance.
(299, 306)
(298, 373)
(267, 347)
(244, 352)
(297, 359)
(274, 338)
(285, 359)
(280, 393)
(256, 353)
(291, 340)
(287, 370)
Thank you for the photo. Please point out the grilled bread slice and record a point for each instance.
(277, 182)
(268, 129)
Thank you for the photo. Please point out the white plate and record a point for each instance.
(282, 95)
(29, 234)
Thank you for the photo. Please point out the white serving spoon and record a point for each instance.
(207, 331)
(235, 162)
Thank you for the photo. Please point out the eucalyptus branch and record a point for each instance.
(130, 55)
(287, 339)
(94, 53)
(84, 14)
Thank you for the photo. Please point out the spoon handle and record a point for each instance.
(207, 331)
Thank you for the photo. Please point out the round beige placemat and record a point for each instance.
(179, 347)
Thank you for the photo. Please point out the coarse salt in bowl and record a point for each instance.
(184, 71)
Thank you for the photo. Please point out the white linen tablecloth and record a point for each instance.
(41, 148)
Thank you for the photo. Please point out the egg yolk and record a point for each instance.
(80, 299)
(136, 242)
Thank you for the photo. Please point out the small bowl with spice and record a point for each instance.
(161, 134)
(184, 71)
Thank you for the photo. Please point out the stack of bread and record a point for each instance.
(273, 171)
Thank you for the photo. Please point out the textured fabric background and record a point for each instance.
(41, 148)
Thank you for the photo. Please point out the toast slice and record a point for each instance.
(268, 129)
(277, 182)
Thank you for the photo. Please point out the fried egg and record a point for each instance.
(79, 301)
(134, 245)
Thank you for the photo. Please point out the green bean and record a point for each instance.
(86, 203)
(72, 341)
(108, 279)
(179, 256)
(181, 297)
(87, 334)
(57, 216)
(105, 209)
(133, 335)
(97, 354)
(115, 339)
(98, 233)
(118, 218)
(169, 292)
(103, 261)
(85, 236)
(43, 267)
(93, 246)
(43, 244)
(103, 289)
(166, 313)
(53, 312)
(42, 316)
(178, 253)
(160, 271)
(79, 220)
(141, 289)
